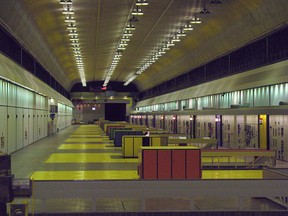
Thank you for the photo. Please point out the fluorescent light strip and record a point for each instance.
(169, 43)
(130, 79)
(68, 11)
(122, 44)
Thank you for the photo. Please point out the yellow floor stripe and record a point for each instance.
(85, 175)
(232, 174)
(104, 139)
(87, 146)
(128, 174)
(85, 135)
(89, 158)
(88, 133)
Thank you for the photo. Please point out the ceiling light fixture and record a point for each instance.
(75, 44)
(70, 19)
(123, 43)
(65, 2)
(170, 43)
(175, 39)
(67, 10)
(127, 33)
(130, 79)
(118, 54)
(71, 26)
(188, 27)
(181, 33)
(195, 20)
(72, 33)
(125, 38)
(74, 38)
(130, 27)
(165, 47)
(137, 11)
(121, 47)
(141, 2)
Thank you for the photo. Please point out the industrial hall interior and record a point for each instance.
(144, 107)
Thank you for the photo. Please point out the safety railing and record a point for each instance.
(238, 158)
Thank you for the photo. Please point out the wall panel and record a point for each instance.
(25, 127)
(19, 125)
(285, 138)
(45, 123)
(261, 96)
(184, 124)
(30, 126)
(248, 97)
(278, 136)
(21, 96)
(12, 94)
(35, 125)
(229, 131)
(12, 129)
(3, 93)
(30, 99)
(205, 126)
(169, 123)
(3, 130)
(26, 99)
(278, 93)
(151, 121)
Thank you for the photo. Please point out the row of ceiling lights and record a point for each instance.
(176, 37)
(125, 37)
(68, 12)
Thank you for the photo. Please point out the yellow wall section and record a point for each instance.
(263, 131)
(130, 101)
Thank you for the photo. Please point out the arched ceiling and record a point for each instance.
(40, 26)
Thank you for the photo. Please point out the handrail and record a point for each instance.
(192, 141)
(238, 158)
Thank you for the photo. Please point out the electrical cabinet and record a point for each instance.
(169, 163)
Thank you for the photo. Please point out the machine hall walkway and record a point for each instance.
(84, 152)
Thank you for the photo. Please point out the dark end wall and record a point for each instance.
(115, 111)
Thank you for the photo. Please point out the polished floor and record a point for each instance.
(85, 153)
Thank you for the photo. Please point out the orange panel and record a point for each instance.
(178, 164)
(193, 164)
(149, 164)
(164, 164)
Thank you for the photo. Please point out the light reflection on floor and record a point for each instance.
(89, 137)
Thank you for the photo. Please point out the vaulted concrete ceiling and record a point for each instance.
(39, 25)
